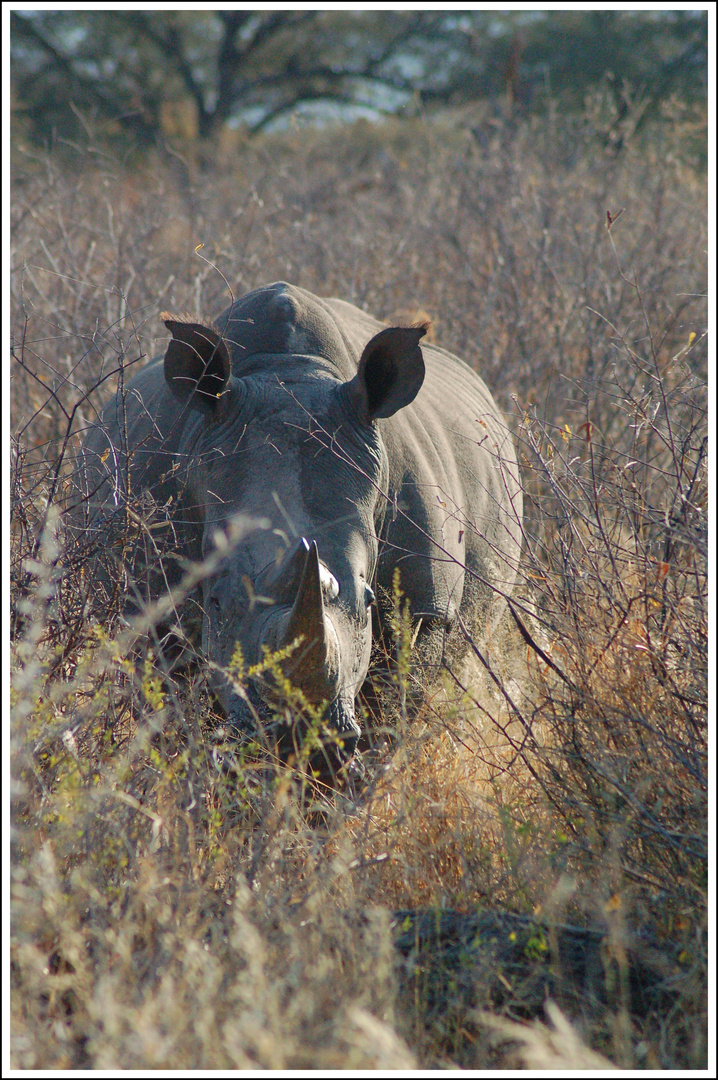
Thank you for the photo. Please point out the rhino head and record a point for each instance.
(290, 444)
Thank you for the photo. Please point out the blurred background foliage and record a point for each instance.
(140, 77)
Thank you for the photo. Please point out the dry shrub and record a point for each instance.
(622, 563)
(173, 911)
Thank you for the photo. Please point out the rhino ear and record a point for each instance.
(197, 362)
(390, 374)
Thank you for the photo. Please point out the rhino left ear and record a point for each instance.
(197, 362)
(391, 371)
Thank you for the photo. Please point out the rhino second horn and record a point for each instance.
(282, 582)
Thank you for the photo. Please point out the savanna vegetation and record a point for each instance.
(149, 75)
(533, 826)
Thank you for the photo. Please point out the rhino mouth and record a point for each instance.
(316, 728)
(328, 748)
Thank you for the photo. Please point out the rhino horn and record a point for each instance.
(306, 619)
(314, 665)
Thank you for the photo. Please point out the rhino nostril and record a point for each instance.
(369, 595)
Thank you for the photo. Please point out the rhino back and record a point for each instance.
(136, 434)
(456, 495)
(131, 507)
(283, 319)
(453, 499)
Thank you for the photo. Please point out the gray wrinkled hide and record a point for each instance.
(335, 459)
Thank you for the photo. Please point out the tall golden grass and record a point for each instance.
(178, 906)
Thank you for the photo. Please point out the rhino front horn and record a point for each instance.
(313, 665)
(306, 619)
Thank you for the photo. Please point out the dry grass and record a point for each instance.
(172, 914)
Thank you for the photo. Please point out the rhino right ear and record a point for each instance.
(391, 372)
(197, 363)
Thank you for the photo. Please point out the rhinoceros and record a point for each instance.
(335, 451)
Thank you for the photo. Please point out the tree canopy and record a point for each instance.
(150, 74)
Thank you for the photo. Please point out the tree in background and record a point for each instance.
(151, 75)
